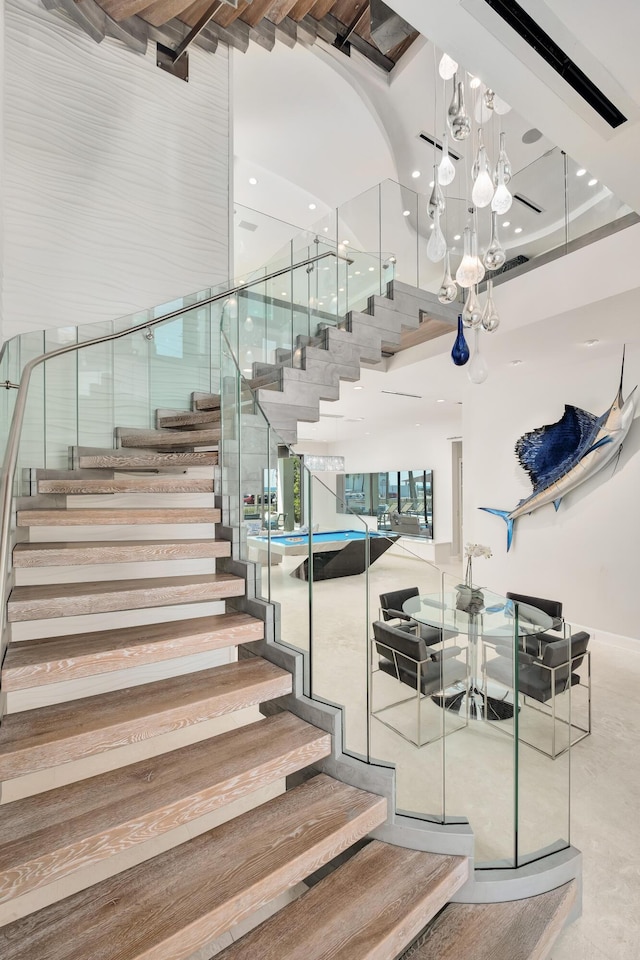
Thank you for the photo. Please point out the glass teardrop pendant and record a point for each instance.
(482, 192)
(478, 370)
(436, 200)
(448, 290)
(472, 311)
(446, 170)
(447, 67)
(490, 318)
(460, 349)
(459, 122)
(437, 246)
(502, 199)
(494, 255)
(466, 272)
(503, 164)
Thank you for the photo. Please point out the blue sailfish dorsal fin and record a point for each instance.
(549, 452)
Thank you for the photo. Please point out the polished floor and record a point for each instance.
(472, 771)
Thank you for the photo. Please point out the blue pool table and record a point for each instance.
(338, 553)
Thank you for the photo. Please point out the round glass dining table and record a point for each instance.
(486, 617)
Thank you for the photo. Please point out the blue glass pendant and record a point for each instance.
(460, 350)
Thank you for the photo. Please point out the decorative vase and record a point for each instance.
(468, 574)
(460, 350)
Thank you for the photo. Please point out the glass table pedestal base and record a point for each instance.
(476, 701)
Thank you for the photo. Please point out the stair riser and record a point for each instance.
(119, 532)
(109, 737)
(90, 573)
(172, 439)
(102, 657)
(78, 517)
(66, 626)
(120, 600)
(189, 421)
(108, 553)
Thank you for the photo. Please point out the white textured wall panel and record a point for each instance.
(116, 188)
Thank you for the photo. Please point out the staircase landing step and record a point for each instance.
(56, 659)
(57, 833)
(38, 739)
(368, 909)
(113, 551)
(516, 930)
(83, 517)
(173, 905)
(189, 419)
(60, 600)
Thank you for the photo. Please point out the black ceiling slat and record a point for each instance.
(540, 41)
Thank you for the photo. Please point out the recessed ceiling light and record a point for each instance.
(417, 424)
(340, 289)
(592, 182)
(358, 387)
(431, 182)
(518, 230)
(415, 174)
(457, 236)
(439, 401)
(312, 206)
(252, 181)
(475, 82)
(345, 243)
(326, 229)
(321, 304)
(515, 363)
(432, 226)
(507, 223)
(371, 269)
(357, 273)
(581, 172)
(405, 213)
(591, 343)
(284, 293)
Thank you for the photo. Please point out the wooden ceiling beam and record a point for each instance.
(300, 9)
(321, 8)
(273, 10)
(123, 9)
(162, 11)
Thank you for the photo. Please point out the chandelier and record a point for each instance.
(486, 193)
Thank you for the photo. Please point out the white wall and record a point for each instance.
(116, 175)
(586, 554)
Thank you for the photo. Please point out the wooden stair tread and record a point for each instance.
(515, 930)
(174, 904)
(44, 737)
(208, 402)
(146, 461)
(93, 820)
(87, 516)
(189, 418)
(41, 601)
(370, 908)
(152, 484)
(54, 659)
(171, 438)
(110, 551)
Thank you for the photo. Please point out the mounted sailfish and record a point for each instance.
(560, 456)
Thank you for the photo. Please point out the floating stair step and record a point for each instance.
(36, 663)
(173, 905)
(56, 833)
(368, 909)
(83, 517)
(113, 460)
(70, 599)
(516, 930)
(181, 484)
(206, 401)
(189, 418)
(110, 551)
(170, 438)
(38, 739)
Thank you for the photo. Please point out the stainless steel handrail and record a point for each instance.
(13, 439)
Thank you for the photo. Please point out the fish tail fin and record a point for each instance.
(506, 516)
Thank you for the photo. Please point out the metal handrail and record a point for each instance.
(13, 439)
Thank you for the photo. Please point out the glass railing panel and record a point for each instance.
(32, 439)
(333, 578)
(401, 226)
(258, 239)
(358, 229)
(96, 390)
(409, 726)
(553, 713)
(181, 360)
(131, 371)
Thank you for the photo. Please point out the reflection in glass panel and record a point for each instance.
(402, 501)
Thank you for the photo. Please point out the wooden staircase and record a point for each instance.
(145, 812)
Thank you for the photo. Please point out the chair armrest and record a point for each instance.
(447, 653)
(398, 614)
